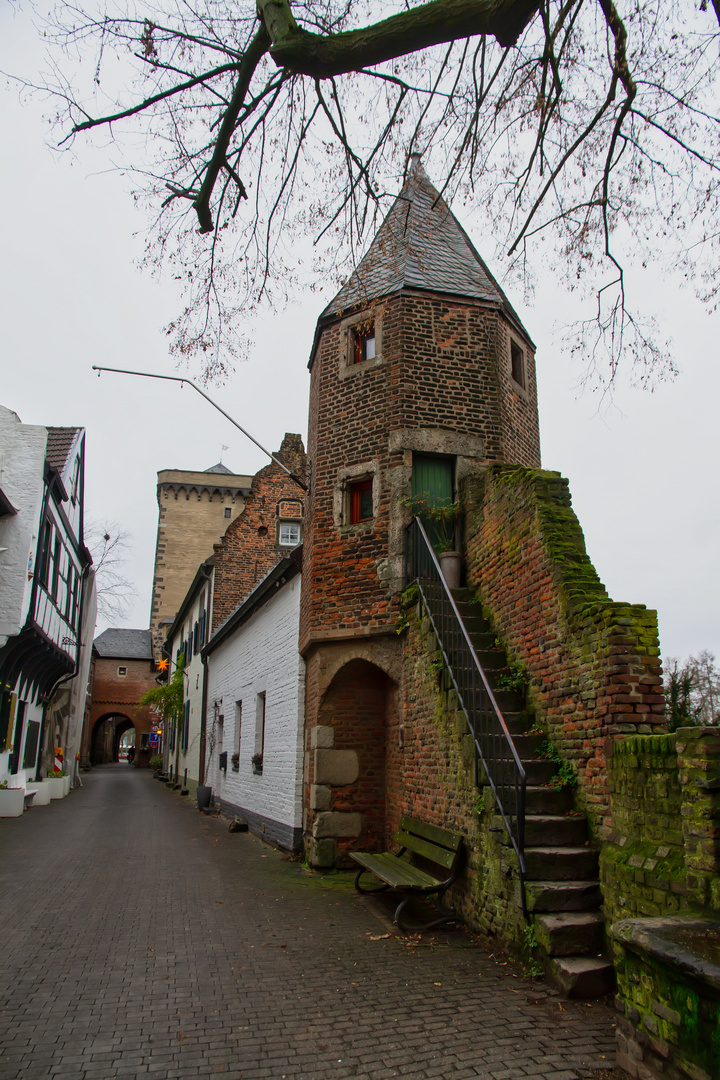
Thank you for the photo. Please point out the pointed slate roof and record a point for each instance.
(420, 245)
(220, 468)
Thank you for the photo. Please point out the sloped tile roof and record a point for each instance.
(59, 444)
(419, 245)
(124, 644)
(220, 468)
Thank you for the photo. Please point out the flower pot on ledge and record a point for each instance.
(451, 567)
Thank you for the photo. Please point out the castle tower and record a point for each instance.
(421, 372)
(195, 509)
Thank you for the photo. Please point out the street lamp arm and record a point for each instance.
(181, 379)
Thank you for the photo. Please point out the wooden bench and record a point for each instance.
(427, 864)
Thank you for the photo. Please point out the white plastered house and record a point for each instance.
(255, 708)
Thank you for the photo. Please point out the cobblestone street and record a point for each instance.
(141, 938)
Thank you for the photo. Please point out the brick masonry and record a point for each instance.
(118, 695)
(593, 665)
(440, 384)
(250, 548)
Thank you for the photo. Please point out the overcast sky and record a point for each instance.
(643, 472)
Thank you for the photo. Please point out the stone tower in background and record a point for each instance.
(195, 509)
(421, 372)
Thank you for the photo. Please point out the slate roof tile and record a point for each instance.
(419, 245)
(123, 644)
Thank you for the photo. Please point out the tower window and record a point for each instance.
(364, 342)
(517, 364)
(361, 501)
(228, 511)
(122, 671)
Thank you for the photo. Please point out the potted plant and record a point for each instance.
(156, 763)
(56, 780)
(257, 764)
(12, 800)
(439, 519)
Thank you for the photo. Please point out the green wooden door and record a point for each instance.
(432, 485)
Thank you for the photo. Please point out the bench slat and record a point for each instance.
(396, 872)
(433, 833)
(432, 852)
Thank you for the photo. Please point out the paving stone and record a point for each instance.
(182, 951)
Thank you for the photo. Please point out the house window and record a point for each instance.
(289, 533)
(363, 343)
(186, 726)
(517, 364)
(361, 501)
(238, 727)
(228, 511)
(122, 671)
(257, 759)
(45, 559)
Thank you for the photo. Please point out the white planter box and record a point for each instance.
(12, 802)
(57, 786)
(66, 785)
(42, 792)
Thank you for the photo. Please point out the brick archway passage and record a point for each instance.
(349, 762)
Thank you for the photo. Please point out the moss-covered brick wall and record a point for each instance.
(430, 775)
(593, 665)
(699, 766)
(642, 863)
(670, 1022)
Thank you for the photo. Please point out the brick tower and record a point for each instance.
(421, 373)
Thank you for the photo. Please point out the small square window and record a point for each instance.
(289, 534)
(517, 364)
(361, 501)
(228, 511)
(364, 343)
(122, 671)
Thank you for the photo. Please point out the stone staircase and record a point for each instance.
(562, 888)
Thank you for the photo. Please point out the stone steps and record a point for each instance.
(554, 896)
(542, 830)
(575, 933)
(562, 890)
(561, 863)
(582, 976)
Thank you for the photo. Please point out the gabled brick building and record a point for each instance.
(421, 374)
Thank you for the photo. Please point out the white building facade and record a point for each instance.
(47, 599)
(184, 742)
(255, 709)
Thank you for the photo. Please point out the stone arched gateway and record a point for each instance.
(346, 789)
(107, 732)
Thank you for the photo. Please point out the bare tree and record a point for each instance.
(587, 130)
(109, 546)
(693, 690)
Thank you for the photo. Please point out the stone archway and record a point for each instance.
(106, 734)
(348, 769)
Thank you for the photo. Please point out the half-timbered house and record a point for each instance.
(47, 598)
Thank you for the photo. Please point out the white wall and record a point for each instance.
(262, 657)
(193, 692)
(22, 462)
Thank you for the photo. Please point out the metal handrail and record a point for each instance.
(494, 746)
